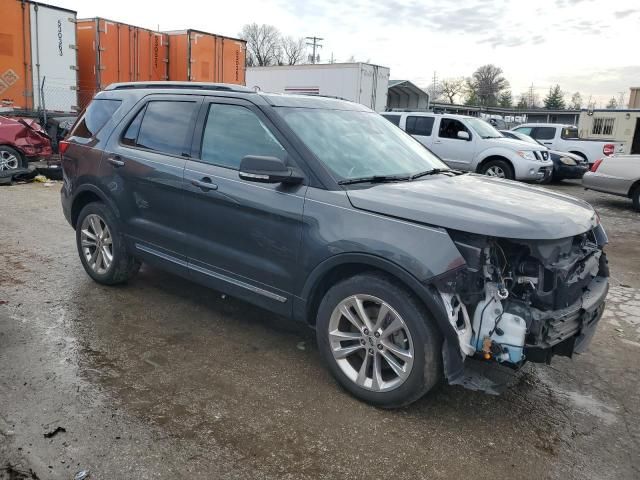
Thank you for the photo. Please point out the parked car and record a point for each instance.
(565, 165)
(471, 144)
(322, 211)
(618, 175)
(565, 138)
(21, 141)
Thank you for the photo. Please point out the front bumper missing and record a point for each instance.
(565, 332)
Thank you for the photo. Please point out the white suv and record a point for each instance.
(469, 143)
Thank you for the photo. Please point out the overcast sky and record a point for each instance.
(589, 46)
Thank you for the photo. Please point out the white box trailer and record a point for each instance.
(54, 57)
(358, 82)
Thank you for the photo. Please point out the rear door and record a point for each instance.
(421, 128)
(243, 237)
(144, 167)
(544, 135)
(456, 152)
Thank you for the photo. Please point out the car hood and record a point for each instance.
(479, 204)
(515, 144)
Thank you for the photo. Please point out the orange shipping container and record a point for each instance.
(204, 57)
(110, 52)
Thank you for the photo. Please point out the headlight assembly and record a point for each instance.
(568, 161)
(527, 155)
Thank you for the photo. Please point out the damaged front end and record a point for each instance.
(522, 300)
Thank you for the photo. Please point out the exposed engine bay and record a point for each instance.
(526, 300)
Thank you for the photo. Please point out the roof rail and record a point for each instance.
(228, 87)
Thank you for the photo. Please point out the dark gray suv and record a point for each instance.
(321, 210)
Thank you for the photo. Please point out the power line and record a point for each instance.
(315, 43)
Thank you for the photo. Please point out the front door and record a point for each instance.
(456, 152)
(243, 237)
(144, 168)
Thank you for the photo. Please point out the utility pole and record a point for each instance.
(621, 100)
(315, 44)
(531, 95)
(434, 87)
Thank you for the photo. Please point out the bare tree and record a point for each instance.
(263, 44)
(576, 101)
(292, 51)
(450, 88)
(486, 83)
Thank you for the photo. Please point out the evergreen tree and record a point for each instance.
(506, 100)
(555, 99)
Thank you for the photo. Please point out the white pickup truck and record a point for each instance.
(565, 138)
(471, 144)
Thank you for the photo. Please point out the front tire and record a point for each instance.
(11, 159)
(101, 246)
(498, 168)
(379, 341)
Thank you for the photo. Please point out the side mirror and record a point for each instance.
(462, 135)
(267, 170)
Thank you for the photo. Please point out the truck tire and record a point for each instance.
(498, 168)
(101, 246)
(379, 340)
(11, 159)
(635, 197)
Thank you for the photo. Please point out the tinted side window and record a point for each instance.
(167, 127)
(94, 118)
(450, 127)
(544, 133)
(131, 135)
(395, 119)
(232, 132)
(419, 126)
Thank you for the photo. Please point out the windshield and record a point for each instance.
(355, 144)
(483, 129)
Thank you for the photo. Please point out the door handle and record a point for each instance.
(548, 143)
(437, 141)
(116, 161)
(205, 184)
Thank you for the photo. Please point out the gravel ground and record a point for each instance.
(164, 379)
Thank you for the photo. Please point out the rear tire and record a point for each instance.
(397, 359)
(635, 198)
(498, 168)
(101, 246)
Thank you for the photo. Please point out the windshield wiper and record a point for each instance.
(374, 179)
(433, 171)
(486, 137)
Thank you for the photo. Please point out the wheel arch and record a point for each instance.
(635, 185)
(495, 156)
(580, 154)
(87, 194)
(342, 266)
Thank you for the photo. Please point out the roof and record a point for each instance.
(274, 99)
(314, 65)
(408, 85)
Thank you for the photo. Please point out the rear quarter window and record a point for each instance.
(95, 117)
(419, 126)
(570, 133)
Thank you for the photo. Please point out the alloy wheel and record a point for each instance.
(371, 343)
(8, 161)
(495, 171)
(96, 243)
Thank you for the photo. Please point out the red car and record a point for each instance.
(22, 141)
